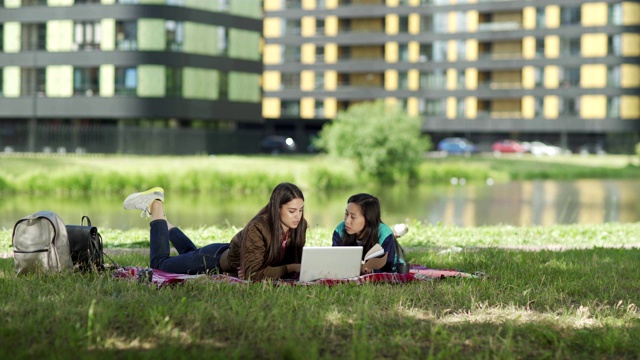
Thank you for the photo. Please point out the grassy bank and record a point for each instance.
(69, 175)
(580, 303)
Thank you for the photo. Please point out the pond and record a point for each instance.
(519, 203)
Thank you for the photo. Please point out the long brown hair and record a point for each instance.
(370, 208)
(282, 194)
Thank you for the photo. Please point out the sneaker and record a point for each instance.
(399, 230)
(142, 200)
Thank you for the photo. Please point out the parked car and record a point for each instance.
(457, 145)
(507, 146)
(539, 148)
(278, 144)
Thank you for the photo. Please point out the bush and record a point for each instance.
(384, 141)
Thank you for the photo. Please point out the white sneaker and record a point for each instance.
(399, 230)
(142, 200)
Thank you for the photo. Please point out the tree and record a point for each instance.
(385, 142)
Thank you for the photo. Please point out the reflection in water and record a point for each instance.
(519, 203)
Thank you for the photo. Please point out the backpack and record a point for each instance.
(40, 244)
(85, 244)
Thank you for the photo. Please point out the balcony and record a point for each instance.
(499, 26)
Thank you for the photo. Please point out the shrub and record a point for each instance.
(384, 141)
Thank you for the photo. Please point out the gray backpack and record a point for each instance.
(41, 244)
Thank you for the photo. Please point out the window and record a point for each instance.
(1, 79)
(613, 107)
(403, 80)
(426, 24)
(460, 107)
(426, 52)
(33, 81)
(173, 82)
(223, 40)
(538, 106)
(540, 47)
(432, 107)
(569, 77)
(404, 24)
(569, 106)
(319, 80)
(87, 35)
(86, 81)
(541, 20)
(175, 2)
(538, 76)
(434, 79)
(461, 79)
(223, 5)
(87, 2)
(615, 14)
(613, 76)
(614, 44)
(289, 80)
(570, 46)
(403, 52)
(319, 53)
(1, 38)
(289, 108)
(439, 50)
(319, 108)
(291, 27)
(128, 1)
(34, 36)
(126, 35)
(462, 50)
(223, 85)
(320, 26)
(291, 53)
(461, 21)
(569, 15)
(126, 81)
(175, 34)
(440, 22)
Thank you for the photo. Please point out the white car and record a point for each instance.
(540, 149)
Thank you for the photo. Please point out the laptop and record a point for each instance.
(330, 262)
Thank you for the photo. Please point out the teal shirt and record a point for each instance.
(385, 239)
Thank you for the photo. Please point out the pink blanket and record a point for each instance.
(417, 273)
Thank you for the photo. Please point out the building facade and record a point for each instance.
(564, 71)
(125, 75)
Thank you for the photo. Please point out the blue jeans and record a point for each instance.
(190, 259)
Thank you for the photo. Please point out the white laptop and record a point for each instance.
(330, 262)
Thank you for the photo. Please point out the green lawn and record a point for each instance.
(578, 303)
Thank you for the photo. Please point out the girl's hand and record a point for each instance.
(293, 268)
(240, 273)
(365, 270)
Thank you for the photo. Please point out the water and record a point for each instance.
(519, 203)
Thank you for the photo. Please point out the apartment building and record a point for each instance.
(564, 71)
(173, 67)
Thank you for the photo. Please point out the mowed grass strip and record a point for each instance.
(577, 303)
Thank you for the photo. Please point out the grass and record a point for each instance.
(578, 303)
(70, 175)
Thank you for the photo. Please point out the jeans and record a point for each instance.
(190, 259)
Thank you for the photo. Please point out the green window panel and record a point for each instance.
(12, 34)
(151, 81)
(107, 80)
(59, 35)
(200, 83)
(200, 38)
(244, 87)
(244, 44)
(151, 34)
(248, 8)
(11, 83)
(202, 4)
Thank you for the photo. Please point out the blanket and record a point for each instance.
(417, 273)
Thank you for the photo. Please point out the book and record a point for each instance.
(374, 252)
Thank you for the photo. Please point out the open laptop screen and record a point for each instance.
(330, 262)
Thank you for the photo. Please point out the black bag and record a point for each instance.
(85, 244)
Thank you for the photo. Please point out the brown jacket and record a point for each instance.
(249, 249)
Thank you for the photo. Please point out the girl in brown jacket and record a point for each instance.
(269, 246)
